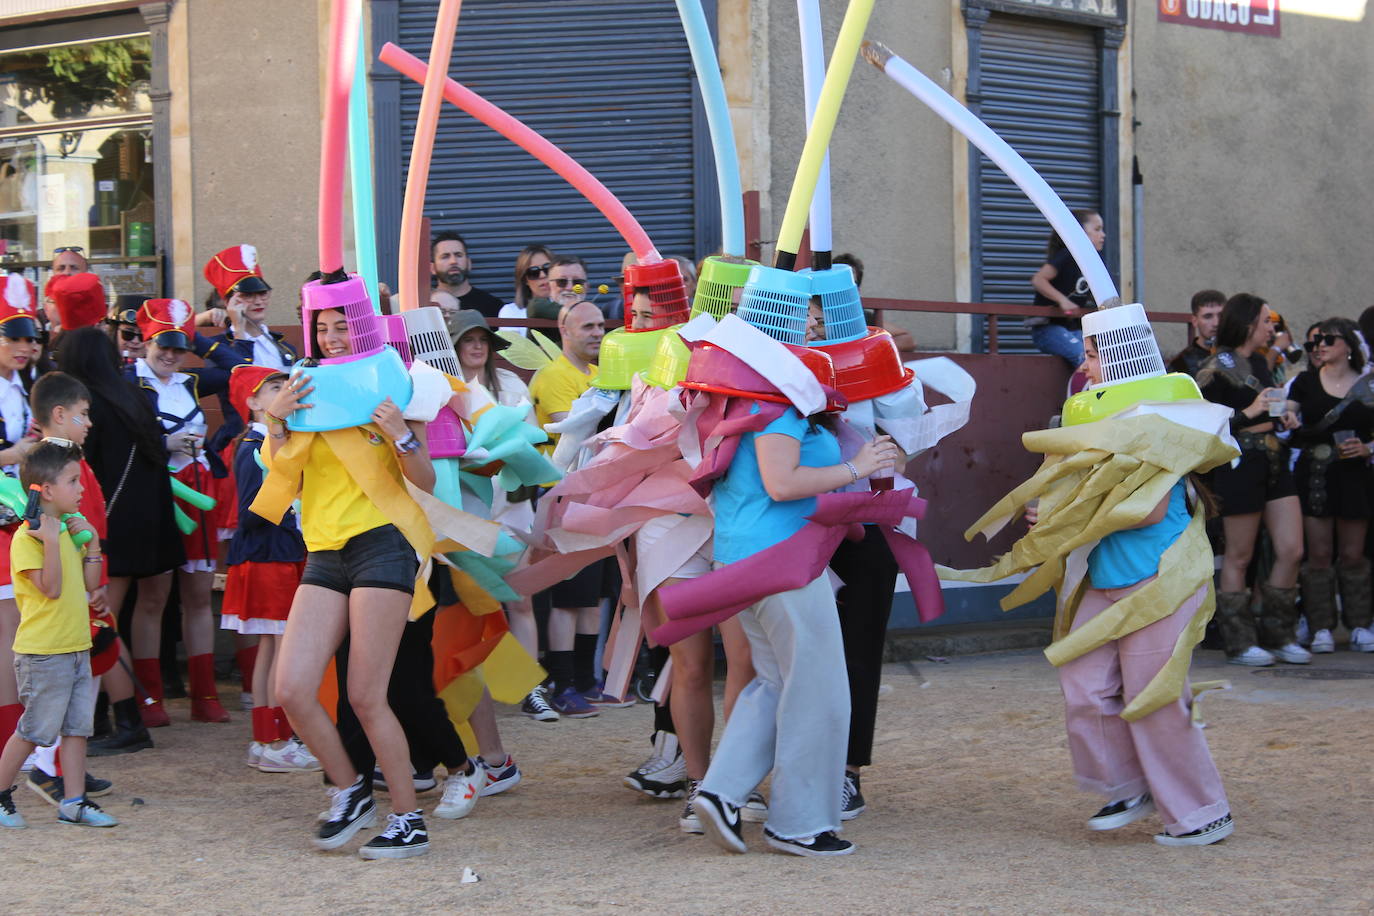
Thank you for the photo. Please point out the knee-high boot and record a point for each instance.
(1318, 588)
(149, 674)
(1278, 624)
(1357, 604)
(1237, 622)
(205, 706)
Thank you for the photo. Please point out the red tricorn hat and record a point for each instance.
(236, 269)
(169, 323)
(80, 300)
(244, 382)
(16, 308)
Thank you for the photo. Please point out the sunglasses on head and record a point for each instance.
(74, 249)
(1322, 340)
(565, 282)
(538, 270)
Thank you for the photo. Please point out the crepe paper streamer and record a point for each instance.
(360, 177)
(813, 75)
(1199, 688)
(533, 143)
(1009, 161)
(822, 127)
(194, 497)
(663, 684)
(622, 650)
(421, 151)
(343, 48)
(718, 120)
(12, 495)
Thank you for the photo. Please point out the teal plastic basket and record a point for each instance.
(775, 301)
(839, 295)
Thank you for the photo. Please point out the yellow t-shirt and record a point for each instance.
(333, 507)
(49, 626)
(553, 390)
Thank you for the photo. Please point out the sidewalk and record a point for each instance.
(971, 808)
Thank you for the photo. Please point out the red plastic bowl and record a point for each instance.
(715, 370)
(869, 367)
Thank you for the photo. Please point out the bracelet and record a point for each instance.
(93, 558)
(280, 435)
(408, 445)
(853, 471)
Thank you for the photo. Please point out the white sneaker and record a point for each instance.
(1322, 643)
(1293, 654)
(292, 757)
(664, 774)
(1362, 640)
(245, 700)
(254, 755)
(755, 810)
(1304, 633)
(460, 793)
(687, 821)
(1253, 657)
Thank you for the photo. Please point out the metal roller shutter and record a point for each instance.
(608, 81)
(1040, 93)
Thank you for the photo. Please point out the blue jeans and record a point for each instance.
(1057, 340)
(793, 718)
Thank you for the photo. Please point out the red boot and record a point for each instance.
(204, 696)
(149, 674)
(9, 719)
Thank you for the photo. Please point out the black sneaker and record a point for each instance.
(851, 798)
(1214, 832)
(350, 810)
(9, 814)
(1121, 813)
(423, 782)
(52, 789)
(405, 836)
(719, 820)
(822, 844)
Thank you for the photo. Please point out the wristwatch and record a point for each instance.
(407, 446)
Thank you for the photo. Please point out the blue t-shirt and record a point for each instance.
(1124, 558)
(747, 518)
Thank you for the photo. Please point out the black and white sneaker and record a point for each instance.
(405, 836)
(687, 821)
(1121, 813)
(423, 782)
(350, 810)
(664, 774)
(720, 820)
(822, 844)
(851, 798)
(1214, 832)
(537, 707)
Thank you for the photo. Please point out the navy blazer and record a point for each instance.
(256, 539)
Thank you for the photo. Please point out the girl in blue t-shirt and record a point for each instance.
(793, 717)
(1159, 761)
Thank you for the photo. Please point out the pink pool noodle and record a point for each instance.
(343, 55)
(533, 143)
(422, 149)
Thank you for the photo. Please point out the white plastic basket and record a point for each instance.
(429, 340)
(1126, 345)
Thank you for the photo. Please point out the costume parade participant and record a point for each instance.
(265, 563)
(168, 331)
(1260, 489)
(1336, 404)
(1123, 543)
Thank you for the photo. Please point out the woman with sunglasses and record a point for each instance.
(122, 324)
(1336, 403)
(532, 266)
(1259, 490)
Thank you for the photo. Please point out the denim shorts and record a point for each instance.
(380, 558)
(58, 693)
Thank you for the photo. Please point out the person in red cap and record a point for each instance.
(265, 565)
(168, 327)
(237, 277)
(18, 331)
(79, 298)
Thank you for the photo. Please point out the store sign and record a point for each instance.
(1254, 17)
(1106, 10)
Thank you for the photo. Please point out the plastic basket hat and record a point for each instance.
(867, 362)
(839, 295)
(720, 284)
(669, 365)
(625, 352)
(716, 370)
(1132, 369)
(776, 301)
(662, 280)
(365, 335)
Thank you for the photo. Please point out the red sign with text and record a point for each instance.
(1254, 17)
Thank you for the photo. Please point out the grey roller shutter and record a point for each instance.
(610, 83)
(1040, 93)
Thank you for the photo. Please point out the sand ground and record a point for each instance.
(970, 810)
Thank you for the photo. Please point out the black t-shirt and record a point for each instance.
(480, 300)
(1314, 402)
(1220, 389)
(1070, 281)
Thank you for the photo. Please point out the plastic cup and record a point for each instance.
(881, 480)
(1277, 407)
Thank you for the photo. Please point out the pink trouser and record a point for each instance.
(1163, 752)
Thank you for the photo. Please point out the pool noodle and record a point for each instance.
(343, 48)
(533, 143)
(1009, 161)
(360, 177)
(718, 119)
(822, 127)
(813, 75)
(422, 150)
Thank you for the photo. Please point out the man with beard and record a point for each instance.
(448, 259)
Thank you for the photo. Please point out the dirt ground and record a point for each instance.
(971, 809)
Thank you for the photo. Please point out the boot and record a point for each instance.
(1356, 607)
(1236, 622)
(1278, 624)
(149, 674)
(205, 705)
(130, 734)
(101, 724)
(1319, 604)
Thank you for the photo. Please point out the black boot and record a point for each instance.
(129, 734)
(102, 717)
